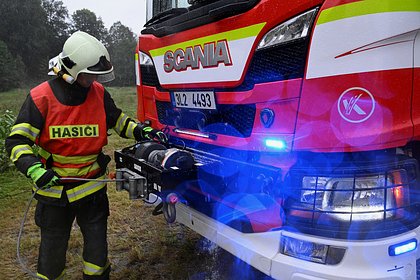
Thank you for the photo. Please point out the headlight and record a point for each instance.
(311, 251)
(356, 198)
(145, 59)
(295, 28)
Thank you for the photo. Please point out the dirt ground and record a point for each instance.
(141, 246)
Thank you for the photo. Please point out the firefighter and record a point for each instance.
(68, 118)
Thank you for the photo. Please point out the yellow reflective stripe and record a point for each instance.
(85, 189)
(130, 130)
(76, 172)
(42, 276)
(61, 277)
(68, 159)
(119, 126)
(74, 159)
(45, 277)
(93, 269)
(240, 33)
(26, 130)
(365, 7)
(43, 153)
(20, 150)
(54, 191)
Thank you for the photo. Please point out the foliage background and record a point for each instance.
(6, 123)
(34, 31)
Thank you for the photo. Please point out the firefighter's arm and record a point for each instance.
(23, 135)
(127, 127)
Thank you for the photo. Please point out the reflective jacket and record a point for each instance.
(73, 136)
(69, 124)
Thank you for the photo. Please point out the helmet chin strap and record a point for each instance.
(66, 77)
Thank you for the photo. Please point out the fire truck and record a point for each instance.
(294, 131)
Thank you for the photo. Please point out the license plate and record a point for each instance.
(194, 99)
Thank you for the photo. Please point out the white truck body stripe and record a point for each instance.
(360, 44)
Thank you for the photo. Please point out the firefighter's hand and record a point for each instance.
(154, 134)
(43, 178)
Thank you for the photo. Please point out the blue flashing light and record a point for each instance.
(403, 247)
(275, 143)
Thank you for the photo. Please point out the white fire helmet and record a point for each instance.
(83, 53)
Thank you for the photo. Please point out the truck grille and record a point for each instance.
(232, 120)
(354, 202)
(149, 76)
(278, 63)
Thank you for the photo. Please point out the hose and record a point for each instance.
(169, 212)
(22, 223)
(91, 180)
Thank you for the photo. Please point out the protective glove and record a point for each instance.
(43, 178)
(154, 134)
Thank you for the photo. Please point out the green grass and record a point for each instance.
(141, 246)
(12, 100)
(126, 99)
(12, 184)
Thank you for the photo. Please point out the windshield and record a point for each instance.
(166, 17)
(154, 7)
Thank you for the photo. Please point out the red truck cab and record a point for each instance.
(308, 112)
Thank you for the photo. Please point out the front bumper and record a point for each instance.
(362, 259)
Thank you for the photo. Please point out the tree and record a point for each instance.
(33, 31)
(23, 30)
(86, 20)
(121, 43)
(11, 69)
(57, 24)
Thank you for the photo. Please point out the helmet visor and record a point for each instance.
(103, 69)
(104, 78)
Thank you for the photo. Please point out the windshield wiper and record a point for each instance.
(166, 15)
(200, 2)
